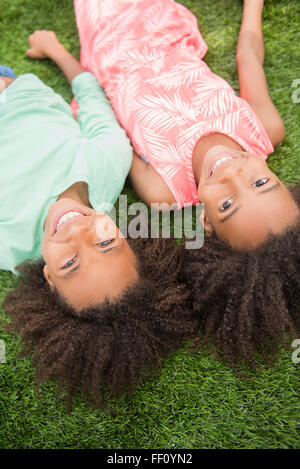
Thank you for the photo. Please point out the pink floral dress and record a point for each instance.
(147, 55)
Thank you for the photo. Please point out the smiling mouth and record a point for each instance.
(66, 218)
(219, 161)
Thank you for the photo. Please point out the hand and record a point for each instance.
(43, 44)
(5, 82)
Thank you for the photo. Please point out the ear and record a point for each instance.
(48, 277)
(208, 228)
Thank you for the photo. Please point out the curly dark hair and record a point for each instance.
(247, 302)
(104, 350)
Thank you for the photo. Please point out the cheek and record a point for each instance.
(208, 193)
(49, 254)
(208, 199)
(202, 193)
(106, 228)
(44, 247)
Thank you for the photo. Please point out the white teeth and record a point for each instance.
(66, 217)
(220, 161)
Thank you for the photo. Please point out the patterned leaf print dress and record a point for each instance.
(147, 55)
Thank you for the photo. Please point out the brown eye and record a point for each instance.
(71, 262)
(106, 243)
(226, 205)
(260, 182)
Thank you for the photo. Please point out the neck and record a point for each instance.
(202, 147)
(77, 192)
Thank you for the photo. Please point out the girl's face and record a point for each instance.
(87, 258)
(243, 200)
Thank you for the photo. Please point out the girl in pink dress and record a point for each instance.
(195, 140)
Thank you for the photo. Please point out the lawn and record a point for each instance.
(195, 402)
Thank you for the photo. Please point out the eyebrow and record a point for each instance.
(227, 217)
(264, 191)
(71, 271)
(271, 188)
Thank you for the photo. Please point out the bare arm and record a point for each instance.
(45, 45)
(148, 184)
(252, 79)
(6, 82)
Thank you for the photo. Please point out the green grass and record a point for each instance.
(196, 402)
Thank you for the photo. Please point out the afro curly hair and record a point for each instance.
(104, 350)
(247, 302)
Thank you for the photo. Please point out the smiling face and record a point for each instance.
(87, 258)
(243, 200)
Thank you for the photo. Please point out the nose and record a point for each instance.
(79, 230)
(233, 172)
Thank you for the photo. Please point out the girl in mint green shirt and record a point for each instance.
(97, 309)
(53, 166)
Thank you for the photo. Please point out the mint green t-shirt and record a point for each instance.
(43, 151)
